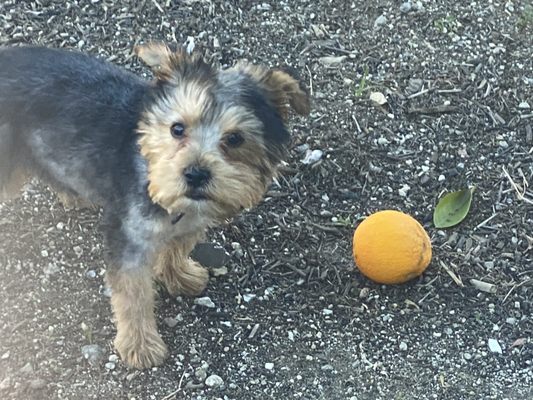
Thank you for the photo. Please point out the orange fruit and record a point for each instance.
(391, 247)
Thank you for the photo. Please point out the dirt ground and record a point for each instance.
(292, 318)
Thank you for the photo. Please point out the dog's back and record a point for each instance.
(59, 105)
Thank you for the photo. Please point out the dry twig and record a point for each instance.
(521, 194)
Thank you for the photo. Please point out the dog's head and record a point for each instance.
(213, 139)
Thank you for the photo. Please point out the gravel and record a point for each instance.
(458, 81)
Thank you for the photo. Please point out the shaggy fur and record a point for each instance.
(165, 159)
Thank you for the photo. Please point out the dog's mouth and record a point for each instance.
(197, 194)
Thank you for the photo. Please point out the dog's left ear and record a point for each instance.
(290, 88)
(282, 89)
(157, 56)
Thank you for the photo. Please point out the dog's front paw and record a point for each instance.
(188, 279)
(141, 351)
(193, 279)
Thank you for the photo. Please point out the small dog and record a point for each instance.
(165, 159)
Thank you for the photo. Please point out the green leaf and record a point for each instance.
(452, 208)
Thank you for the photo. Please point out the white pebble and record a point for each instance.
(494, 346)
(404, 190)
(214, 381)
(204, 302)
(312, 157)
(381, 20)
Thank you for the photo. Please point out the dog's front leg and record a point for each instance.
(137, 341)
(177, 271)
(129, 276)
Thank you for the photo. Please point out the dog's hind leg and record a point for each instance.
(13, 173)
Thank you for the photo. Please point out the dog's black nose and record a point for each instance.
(196, 176)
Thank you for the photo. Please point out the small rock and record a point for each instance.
(5, 356)
(78, 251)
(330, 61)
(302, 148)
(248, 297)
(406, 7)
(414, 86)
(378, 98)
(403, 346)
(326, 367)
(92, 353)
(51, 269)
(348, 81)
(113, 358)
(489, 264)
(524, 105)
(200, 374)
(404, 190)
(381, 20)
(418, 6)
(494, 346)
(210, 255)
(312, 157)
(441, 178)
(91, 274)
(204, 302)
(511, 320)
(269, 366)
(170, 322)
(132, 376)
(213, 381)
(220, 271)
(467, 356)
(327, 311)
(110, 366)
(503, 144)
(382, 141)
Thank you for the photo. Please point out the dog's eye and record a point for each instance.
(234, 139)
(177, 130)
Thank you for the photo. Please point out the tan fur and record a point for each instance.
(240, 176)
(283, 89)
(177, 271)
(14, 185)
(163, 61)
(132, 300)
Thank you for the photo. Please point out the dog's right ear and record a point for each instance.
(157, 56)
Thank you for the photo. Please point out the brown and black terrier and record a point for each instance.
(165, 159)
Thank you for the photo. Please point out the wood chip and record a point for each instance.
(484, 286)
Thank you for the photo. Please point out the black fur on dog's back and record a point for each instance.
(45, 92)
